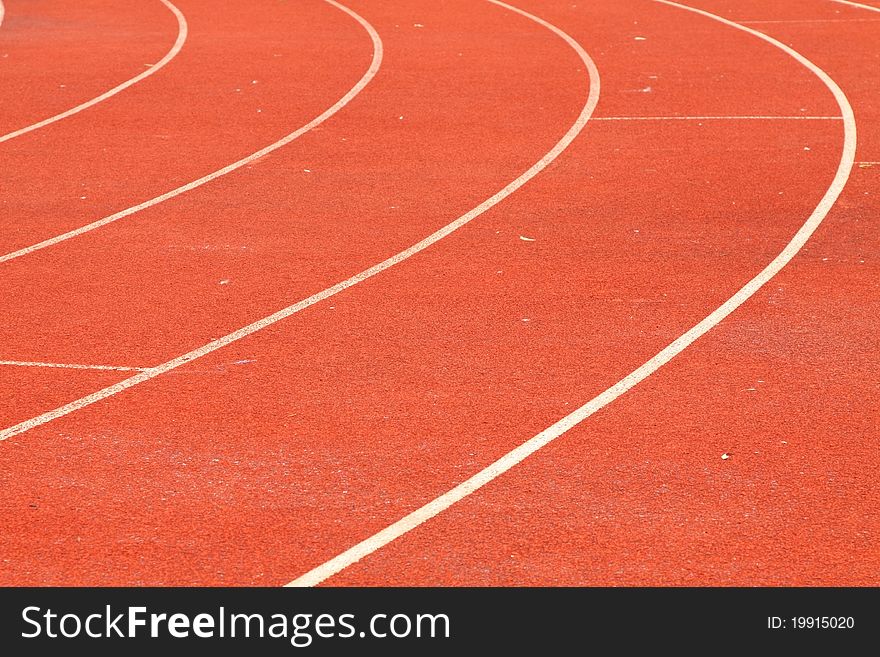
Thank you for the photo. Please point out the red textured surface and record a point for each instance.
(55, 54)
(266, 458)
(28, 391)
(246, 76)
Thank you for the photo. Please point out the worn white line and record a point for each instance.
(71, 366)
(718, 118)
(512, 458)
(510, 188)
(182, 30)
(858, 5)
(816, 20)
(330, 111)
(2, 12)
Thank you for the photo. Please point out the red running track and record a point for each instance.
(268, 457)
(58, 55)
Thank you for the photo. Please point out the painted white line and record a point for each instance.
(330, 111)
(858, 5)
(816, 20)
(717, 118)
(2, 12)
(512, 458)
(182, 30)
(535, 169)
(71, 366)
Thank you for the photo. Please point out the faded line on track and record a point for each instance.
(814, 20)
(517, 455)
(858, 5)
(71, 366)
(151, 373)
(338, 105)
(717, 118)
(182, 31)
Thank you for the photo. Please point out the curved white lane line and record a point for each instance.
(512, 458)
(535, 169)
(858, 5)
(182, 30)
(330, 111)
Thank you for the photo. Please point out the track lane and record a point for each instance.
(28, 390)
(182, 29)
(323, 29)
(290, 232)
(84, 54)
(641, 495)
(492, 16)
(808, 13)
(244, 80)
(331, 425)
(181, 263)
(858, 5)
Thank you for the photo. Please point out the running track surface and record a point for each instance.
(137, 449)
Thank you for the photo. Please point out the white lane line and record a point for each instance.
(535, 169)
(817, 20)
(858, 5)
(182, 30)
(71, 366)
(2, 12)
(717, 118)
(512, 458)
(330, 111)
